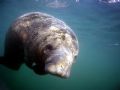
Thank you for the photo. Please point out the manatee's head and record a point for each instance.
(60, 55)
(59, 62)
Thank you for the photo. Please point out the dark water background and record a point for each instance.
(97, 26)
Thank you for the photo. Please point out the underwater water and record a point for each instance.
(97, 26)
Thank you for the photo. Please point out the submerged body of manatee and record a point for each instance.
(45, 43)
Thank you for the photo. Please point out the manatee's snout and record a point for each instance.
(59, 64)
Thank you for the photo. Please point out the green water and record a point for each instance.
(97, 27)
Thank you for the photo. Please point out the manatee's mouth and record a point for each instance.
(57, 70)
(58, 66)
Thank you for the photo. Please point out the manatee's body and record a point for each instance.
(45, 43)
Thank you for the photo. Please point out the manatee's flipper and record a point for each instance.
(14, 52)
(10, 63)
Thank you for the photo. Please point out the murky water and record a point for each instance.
(97, 26)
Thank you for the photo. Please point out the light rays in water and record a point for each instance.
(57, 4)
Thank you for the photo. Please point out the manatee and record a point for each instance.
(44, 43)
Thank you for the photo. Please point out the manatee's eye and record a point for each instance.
(49, 47)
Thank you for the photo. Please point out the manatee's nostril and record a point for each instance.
(62, 67)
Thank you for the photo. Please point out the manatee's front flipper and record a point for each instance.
(10, 63)
(14, 52)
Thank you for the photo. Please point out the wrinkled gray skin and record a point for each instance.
(45, 43)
